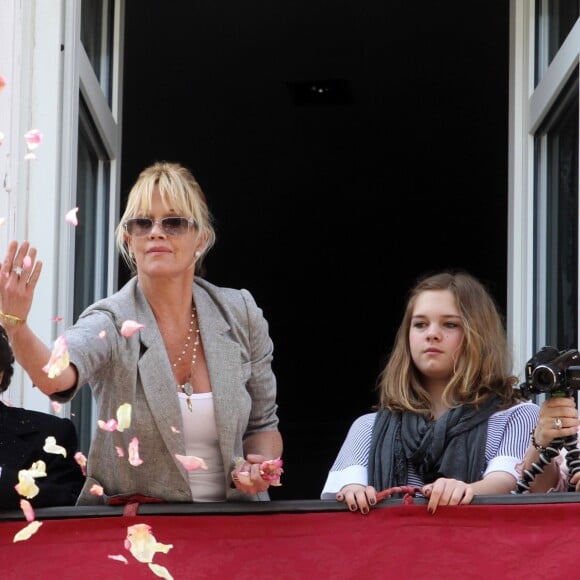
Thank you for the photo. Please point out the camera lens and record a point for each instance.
(543, 378)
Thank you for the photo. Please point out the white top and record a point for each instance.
(201, 440)
(508, 436)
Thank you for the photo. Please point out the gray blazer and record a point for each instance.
(137, 370)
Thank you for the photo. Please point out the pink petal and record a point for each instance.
(33, 139)
(27, 509)
(191, 462)
(134, 458)
(71, 216)
(82, 461)
(2, 82)
(110, 425)
(59, 359)
(119, 558)
(26, 532)
(58, 318)
(96, 489)
(102, 334)
(175, 429)
(26, 262)
(130, 327)
(56, 406)
(120, 451)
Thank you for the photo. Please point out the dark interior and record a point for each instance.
(345, 148)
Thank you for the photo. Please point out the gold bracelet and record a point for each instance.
(11, 320)
(535, 444)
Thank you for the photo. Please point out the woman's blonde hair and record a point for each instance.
(483, 368)
(180, 191)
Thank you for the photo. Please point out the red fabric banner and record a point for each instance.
(488, 541)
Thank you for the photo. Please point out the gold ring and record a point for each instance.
(18, 270)
(557, 423)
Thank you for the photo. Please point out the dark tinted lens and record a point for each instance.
(174, 226)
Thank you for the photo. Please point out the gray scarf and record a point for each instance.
(453, 446)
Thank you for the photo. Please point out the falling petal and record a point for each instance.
(29, 156)
(191, 462)
(26, 532)
(96, 489)
(58, 318)
(160, 571)
(59, 359)
(130, 327)
(110, 425)
(1, 137)
(26, 262)
(120, 451)
(27, 509)
(175, 429)
(71, 216)
(124, 417)
(26, 486)
(82, 461)
(38, 469)
(119, 558)
(142, 544)
(33, 139)
(102, 334)
(134, 458)
(56, 406)
(50, 446)
(2, 82)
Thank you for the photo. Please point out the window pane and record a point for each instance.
(91, 242)
(554, 20)
(561, 260)
(97, 18)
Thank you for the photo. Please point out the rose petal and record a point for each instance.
(130, 327)
(26, 532)
(134, 458)
(142, 544)
(2, 82)
(27, 509)
(175, 429)
(124, 417)
(26, 262)
(71, 216)
(96, 489)
(59, 358)
(26, 485)
(50, 446)
(56, 406)
(110, 425)
(120, 451)
(191, 462)
(102, 334)
(160, 571)
(82, 461)
(33, 139)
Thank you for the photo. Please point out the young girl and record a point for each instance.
(449, 420)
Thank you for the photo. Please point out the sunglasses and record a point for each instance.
(172, 226)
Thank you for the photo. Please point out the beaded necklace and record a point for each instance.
(187, 387)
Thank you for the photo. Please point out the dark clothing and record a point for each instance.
(453, 446)
(22, 436)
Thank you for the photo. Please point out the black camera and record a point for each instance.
(552, 371)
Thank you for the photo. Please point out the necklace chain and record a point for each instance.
(192, 333)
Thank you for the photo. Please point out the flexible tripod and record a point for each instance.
(572, 461)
